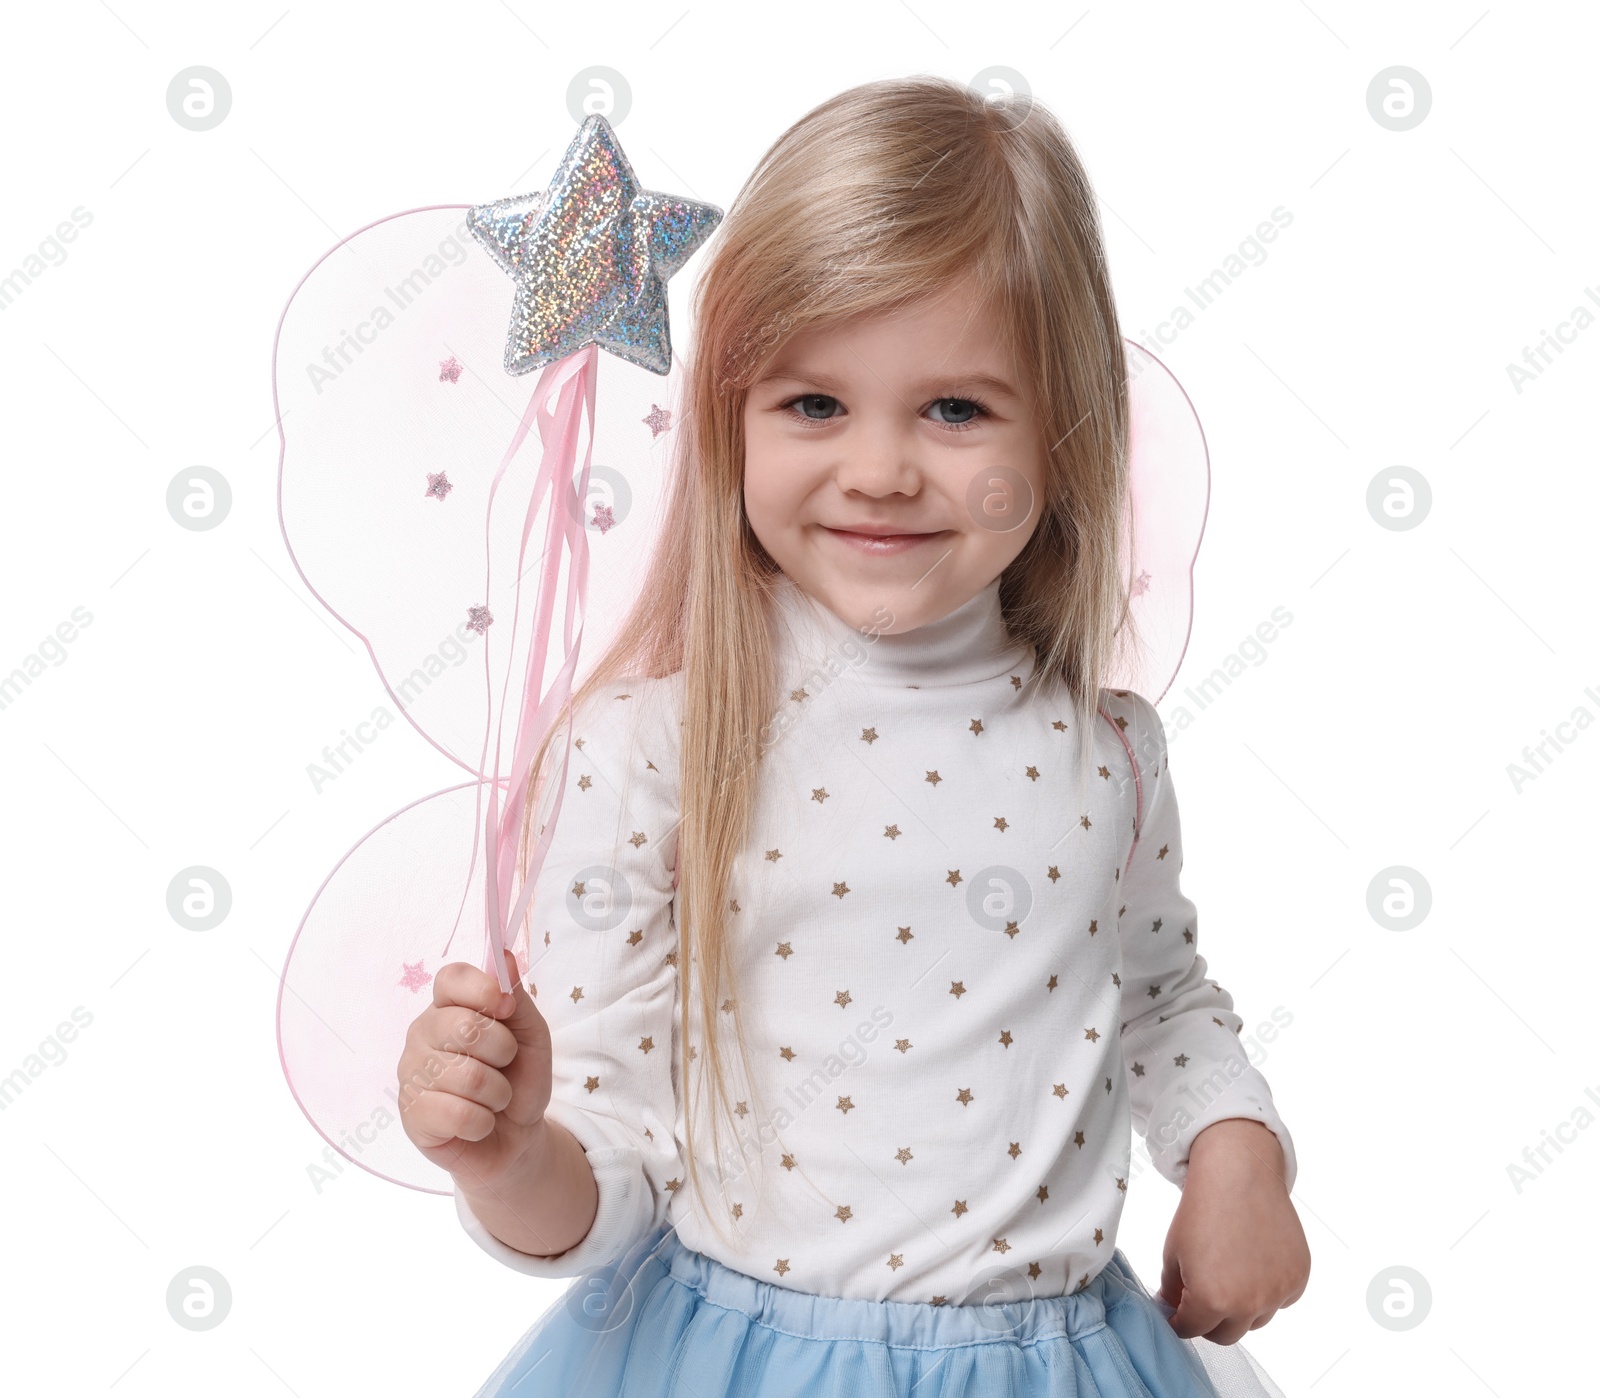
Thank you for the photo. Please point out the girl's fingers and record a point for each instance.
(457, 1030)
(438, 1118)
(453, 1090)
(473, 1081)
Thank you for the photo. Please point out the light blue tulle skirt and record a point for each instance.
(669, 1322)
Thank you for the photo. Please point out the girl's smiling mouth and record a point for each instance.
(880, 544)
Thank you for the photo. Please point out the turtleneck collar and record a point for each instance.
(966, 646)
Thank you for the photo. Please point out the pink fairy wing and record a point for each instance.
(389, 381)
(361, 968)
(1169, 489)
(396, 415)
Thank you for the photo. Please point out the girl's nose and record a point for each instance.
(881, 457)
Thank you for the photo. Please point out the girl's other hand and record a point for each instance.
(1235, 1253)
(475, 1073)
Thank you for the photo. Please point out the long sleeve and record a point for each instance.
(1180, 1035)
(603, 969)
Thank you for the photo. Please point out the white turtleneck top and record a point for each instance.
(960, 986)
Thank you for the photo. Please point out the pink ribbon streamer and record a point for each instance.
(563, 389)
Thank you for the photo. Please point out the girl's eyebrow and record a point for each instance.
(997, 386)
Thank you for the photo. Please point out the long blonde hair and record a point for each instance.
(871, 199)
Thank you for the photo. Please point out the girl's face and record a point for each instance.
(913, 425)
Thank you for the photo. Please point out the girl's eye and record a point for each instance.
(962, 405)
(811, 400)
(968, 411)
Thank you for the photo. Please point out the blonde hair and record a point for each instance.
(869, 200)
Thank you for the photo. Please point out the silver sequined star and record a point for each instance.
(591, 257)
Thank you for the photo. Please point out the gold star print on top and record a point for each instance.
(964, 987)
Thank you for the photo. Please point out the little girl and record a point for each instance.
(859, 945)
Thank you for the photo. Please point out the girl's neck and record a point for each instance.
(966, 646)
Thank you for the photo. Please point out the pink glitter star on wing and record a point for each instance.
(438, 485)
(659, 420)
(603, 518)
(415, 977)
(449, 370)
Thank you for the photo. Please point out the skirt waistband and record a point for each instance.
(909, 1324)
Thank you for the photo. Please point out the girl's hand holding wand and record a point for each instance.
(1235, 1252)
(476, 1079)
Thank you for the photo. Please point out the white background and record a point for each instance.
(1376, 730)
